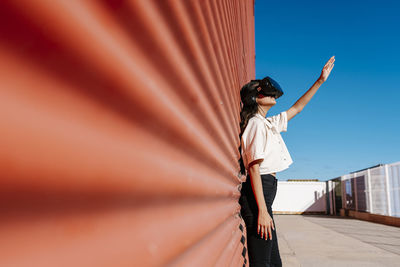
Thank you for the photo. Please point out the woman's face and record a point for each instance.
(263, 100)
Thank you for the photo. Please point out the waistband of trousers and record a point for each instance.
(264, 176)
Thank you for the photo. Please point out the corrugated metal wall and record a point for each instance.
(119, 131)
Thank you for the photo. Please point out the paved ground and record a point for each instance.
(319, 240)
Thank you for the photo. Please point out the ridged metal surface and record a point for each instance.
(119, 131)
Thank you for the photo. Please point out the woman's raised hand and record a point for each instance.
(327, 69)
(265, 224)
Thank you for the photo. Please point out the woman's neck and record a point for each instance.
(263, 110)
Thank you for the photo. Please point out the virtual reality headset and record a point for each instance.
(269, 87)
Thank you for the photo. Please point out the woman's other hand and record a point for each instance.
(327, 69)
(265, 224)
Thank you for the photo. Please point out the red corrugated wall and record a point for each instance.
(119, 131)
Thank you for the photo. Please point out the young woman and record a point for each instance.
(263, 154)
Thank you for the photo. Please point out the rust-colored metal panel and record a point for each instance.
(119, 132)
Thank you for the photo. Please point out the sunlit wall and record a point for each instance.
(119, 125)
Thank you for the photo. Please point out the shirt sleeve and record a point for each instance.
(280, 121)
(254, 141)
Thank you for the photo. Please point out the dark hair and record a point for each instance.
(248, 95)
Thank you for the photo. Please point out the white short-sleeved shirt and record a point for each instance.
(261, 139)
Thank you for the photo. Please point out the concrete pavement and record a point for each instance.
(320, 240)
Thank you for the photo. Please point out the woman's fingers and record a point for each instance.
(327, 69)
(330, 61)
(261, 231)
(265, 236)
(330, 68)
(265, 231)
(269, 233)
(329, 64)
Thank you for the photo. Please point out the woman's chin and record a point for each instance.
(269, 104)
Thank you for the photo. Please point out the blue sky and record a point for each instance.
(353, 121)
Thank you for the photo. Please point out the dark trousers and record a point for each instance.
(262, 252)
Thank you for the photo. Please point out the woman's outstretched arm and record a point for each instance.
(304, 99)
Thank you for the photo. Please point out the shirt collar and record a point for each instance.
(267, 121)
